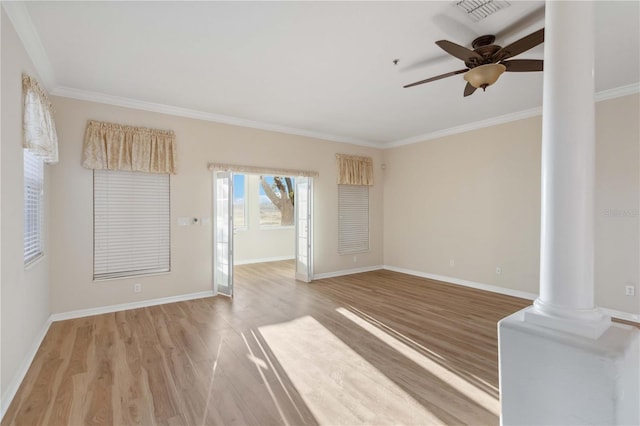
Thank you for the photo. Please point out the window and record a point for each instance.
(276, 196)
(131, 223)
(240, 219)
(33, 206)
(353, 219)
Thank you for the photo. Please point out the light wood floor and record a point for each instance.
(399, 346)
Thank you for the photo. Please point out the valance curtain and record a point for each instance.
(39, 129)
(109, 146)
(354, 170)
(270, 171)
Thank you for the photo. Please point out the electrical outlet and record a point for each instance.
(355, 259)
(498, 270)
(137, 288)
(452, 263)
(629, 290)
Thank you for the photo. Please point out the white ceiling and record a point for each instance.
(317, 68)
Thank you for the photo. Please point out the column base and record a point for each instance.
(548, 376)
(591, 323)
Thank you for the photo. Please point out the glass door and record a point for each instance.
(304, 254)
(223, 233)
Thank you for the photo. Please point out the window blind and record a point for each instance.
(353, 219)
(132, 223)
(33, 206)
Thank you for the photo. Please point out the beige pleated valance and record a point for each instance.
(270, 171)
(354, 170)
(39, 129)
(109, 146)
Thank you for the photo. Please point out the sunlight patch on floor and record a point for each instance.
(264, 380)
(469, 390)
(277, 375)
(337, 384)
(213, 375)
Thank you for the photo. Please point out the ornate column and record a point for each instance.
(568, 170)
(561, 360)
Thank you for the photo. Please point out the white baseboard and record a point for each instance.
(18, 377)
(11, 390)
(501, 290)
(131, 305)
(628, 316)
(347, 272)
(465, 283)
(263, 260)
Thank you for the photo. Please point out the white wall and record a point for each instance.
(261, 244)
(25, 291)
(475, 198)
(199, 142)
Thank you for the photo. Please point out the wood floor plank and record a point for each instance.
(213, 361)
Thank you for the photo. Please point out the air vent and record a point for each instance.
(477, 10)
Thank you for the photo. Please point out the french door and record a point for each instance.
(304, 244)
(223, 233)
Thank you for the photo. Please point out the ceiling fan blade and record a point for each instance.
(524, 65)
(522, 45)
(468, 90)
(458, 51)
(438, 77)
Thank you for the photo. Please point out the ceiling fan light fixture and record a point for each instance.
(484, 76)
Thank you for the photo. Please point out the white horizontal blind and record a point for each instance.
(33, 206)
(353, 219)
(131, 223)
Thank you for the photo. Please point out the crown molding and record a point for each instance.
(85, 95)
(21, 19)
(618, 92)
(467, 127)
(604, 95)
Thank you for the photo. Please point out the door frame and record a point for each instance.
(214, 231)
(305, 275)
(237, 169)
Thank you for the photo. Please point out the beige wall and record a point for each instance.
(475, 198)
(25, 291)
(256, 243)
(199, 142)
(617, 230)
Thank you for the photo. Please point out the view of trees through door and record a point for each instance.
(269, 218)
(276, 201)
(264, 218)
(277, 198)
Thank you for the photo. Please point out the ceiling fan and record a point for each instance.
(487, 61)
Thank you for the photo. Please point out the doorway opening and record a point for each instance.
(261, 217)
